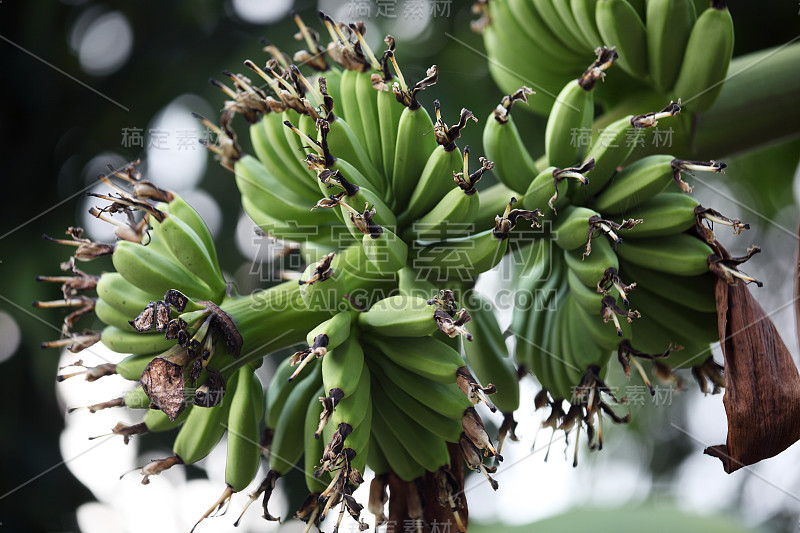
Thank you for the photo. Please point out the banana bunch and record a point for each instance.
(663, 46)
(624, 268)
(388, 393)
(394, 233)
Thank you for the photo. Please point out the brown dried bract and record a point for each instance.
(162, 381)
(762, 384)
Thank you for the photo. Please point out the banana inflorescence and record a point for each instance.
(390, 368)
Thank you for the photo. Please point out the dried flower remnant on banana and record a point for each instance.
(503, 225)
(650, 120)
(576, 173)
(679, 166)
(597, 70)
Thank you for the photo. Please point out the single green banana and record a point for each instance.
(620, 25)
(542, 190)
(415, 144)
(389, 113)
(388, 252)
(635, 184)
(610, 151)
(571, 229)
(446, 219)
(590, 269)
(669, 24)
(337, 329)
(113, 317)
(183, 210)
(412, 284)
(156, 421)
(680, 254)
(287, 443)
(279, 389)
(204, 428)
(426, 356)
(121, 341)
(513, 164)
(572, 115)
(488, 357)
(313, 447)
(694, 292)
(708, 54)
(190, 250)
(352, 409)
(370, 122)
(376, 460)
(664, 214)
(244, 439)
(399, 316)
(341, 368)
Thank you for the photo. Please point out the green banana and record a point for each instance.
(694, 292)
(411, 284)
(664, 214)
(244, 439)
(345, 146)
(402, 463)
(680, 254)
(387, 252)
(156, 421)
(455, 209)
(610, 151)
(584, 13)
(136, 398)
(154, 273)
(542, 192)
(287, 443)
(279, 389)
(204, 428)
(572, 114)
(669, 24)
(126, 298)
(570, 24)
(190, 250)
(426, 356)
(572, 229)
(399, 316)
(389, 113)
(445, 399)
(620, 25)
(188, 214)
(274, 152)
(337, 329)
(488, 356)
(435, 181)
(376, 459)
(122, 341)
(415, 144)
(370, 122)
(590, 269)
(635, 184)
(341, 368)
(444, 427)
(352, 410)
(708, 54)
(112, 317)
(550, 14)
(419, 443)
(513, 165)
(683, 322)
(312, 446)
